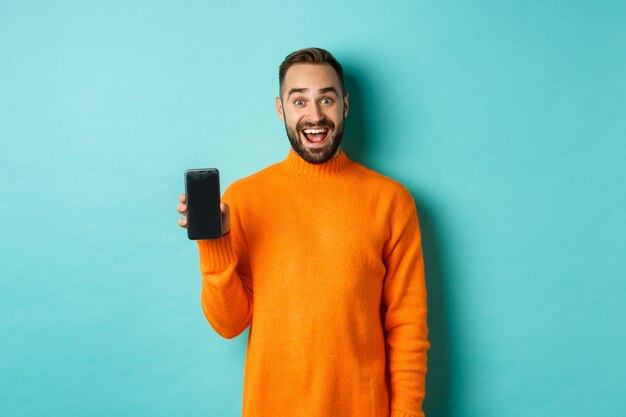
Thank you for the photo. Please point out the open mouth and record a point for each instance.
(316, 135)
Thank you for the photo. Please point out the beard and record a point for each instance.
(316, 155)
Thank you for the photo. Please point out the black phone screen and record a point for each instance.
(204, 217)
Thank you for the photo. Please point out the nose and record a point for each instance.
(316, 112)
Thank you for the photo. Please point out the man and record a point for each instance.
(322, 258)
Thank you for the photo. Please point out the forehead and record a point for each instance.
(312, 76)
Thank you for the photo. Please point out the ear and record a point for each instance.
(345, 105)
(279, 109)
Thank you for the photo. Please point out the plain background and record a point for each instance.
(506, 120)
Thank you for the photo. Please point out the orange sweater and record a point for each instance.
(324, 262)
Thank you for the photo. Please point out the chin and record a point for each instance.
(318, 155)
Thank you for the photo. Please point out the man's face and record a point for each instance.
(313, 108)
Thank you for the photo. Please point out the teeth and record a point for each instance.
(314, 131)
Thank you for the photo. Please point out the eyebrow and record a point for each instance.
(306, 90)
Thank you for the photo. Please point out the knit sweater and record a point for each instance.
(324, 263)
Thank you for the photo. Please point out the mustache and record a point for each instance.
(321, 123)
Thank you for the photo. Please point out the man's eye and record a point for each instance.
(327, 100)
(298, 102)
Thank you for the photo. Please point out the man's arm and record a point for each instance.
(226, 295)
(226, 286)
(404, 310)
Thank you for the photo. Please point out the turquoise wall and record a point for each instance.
(506, 120)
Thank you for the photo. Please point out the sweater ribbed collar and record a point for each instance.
(296, 165)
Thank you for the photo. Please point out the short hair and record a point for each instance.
(309, 56)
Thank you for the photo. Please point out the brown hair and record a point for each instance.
(309, 56)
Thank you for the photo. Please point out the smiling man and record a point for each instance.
(313, 107)
(321, 258)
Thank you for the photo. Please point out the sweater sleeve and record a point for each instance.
(404, 311)
(226, 280)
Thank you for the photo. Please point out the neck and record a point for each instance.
(294, 164)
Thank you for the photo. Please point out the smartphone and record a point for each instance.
(202, 191)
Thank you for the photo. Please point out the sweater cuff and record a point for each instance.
(215, 254)
(400, 413)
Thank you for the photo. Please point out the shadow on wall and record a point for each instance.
(439, 377)
(355, 138)
(355, 143)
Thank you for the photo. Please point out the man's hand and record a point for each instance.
(182, 209)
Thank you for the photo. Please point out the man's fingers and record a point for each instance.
(182, 209)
